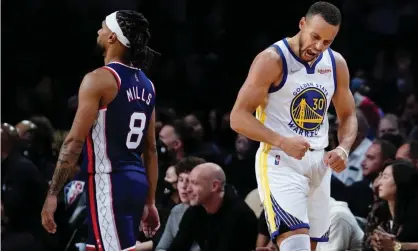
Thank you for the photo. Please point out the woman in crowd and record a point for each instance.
(393, 224)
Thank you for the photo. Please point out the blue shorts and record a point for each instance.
(115, 203)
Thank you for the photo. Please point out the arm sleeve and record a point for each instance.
(184, 237)
(168, 235)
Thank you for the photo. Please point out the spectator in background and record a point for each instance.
(239, 166)
(41, 152)
(23, 126)
(388, 125)
(360, 194)
(364, 104)
(173, 140)
(345, 233)
(37, 136)
(163, 116)
(396, 140)
(396, 218)
(23, 189)
(409, 151)
(170, 187)
(182, 169)
(218, 219)
(353, 172)
(207, 150)
(409, 117)
(174, 137)
(170, 200)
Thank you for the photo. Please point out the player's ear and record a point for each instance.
(302, 22)
(112, 38)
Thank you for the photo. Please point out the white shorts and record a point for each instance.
(295, 193)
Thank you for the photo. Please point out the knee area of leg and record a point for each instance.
(297, 242)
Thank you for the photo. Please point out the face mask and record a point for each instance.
(168, 188)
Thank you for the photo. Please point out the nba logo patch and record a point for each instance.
(277, 160)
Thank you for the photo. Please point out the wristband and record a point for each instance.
(342, 149)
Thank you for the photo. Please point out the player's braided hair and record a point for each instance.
(136, 29)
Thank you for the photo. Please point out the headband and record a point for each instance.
(112, 24)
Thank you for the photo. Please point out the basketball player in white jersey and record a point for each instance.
(291, 85)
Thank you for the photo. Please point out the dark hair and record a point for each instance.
(185, 135)
(387, 150)
(136, 29)
(405, 176)
(329, 12)
(187, 164)
(396, 140)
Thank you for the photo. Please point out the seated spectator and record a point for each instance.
(170, 187)
(217, 219)
(393, 225)
(174, 137)
(23, 189)
(171, 199)
(183, 169)
(202, 148)
(345, 233)
(354, 172)
(409, 151)
(239, 166)
(396, 140)
(360, 195)
(409, 118)
(389, 124)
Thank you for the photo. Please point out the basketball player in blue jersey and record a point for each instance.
(290, 85)
(114, 125)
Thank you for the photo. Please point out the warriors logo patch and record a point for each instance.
(308, 110)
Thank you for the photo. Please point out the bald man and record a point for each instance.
(23, 190)
(218, 219)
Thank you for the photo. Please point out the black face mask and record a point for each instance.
(168, 188)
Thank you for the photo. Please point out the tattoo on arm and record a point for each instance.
(67, 160)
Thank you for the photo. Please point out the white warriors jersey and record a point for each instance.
(299, 104)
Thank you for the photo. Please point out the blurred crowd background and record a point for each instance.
(206, 49)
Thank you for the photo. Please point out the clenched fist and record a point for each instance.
(295, 147)
(336, 159)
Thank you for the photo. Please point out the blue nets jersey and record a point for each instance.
(115, 142)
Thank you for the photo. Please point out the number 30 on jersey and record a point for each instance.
(136, 127)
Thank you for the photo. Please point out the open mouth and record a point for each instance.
(311, 53)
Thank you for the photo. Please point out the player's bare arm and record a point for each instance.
(151, 160)
(265, 70)
(90, 95)
(344, 105)
(150, 219)
(92, 88)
